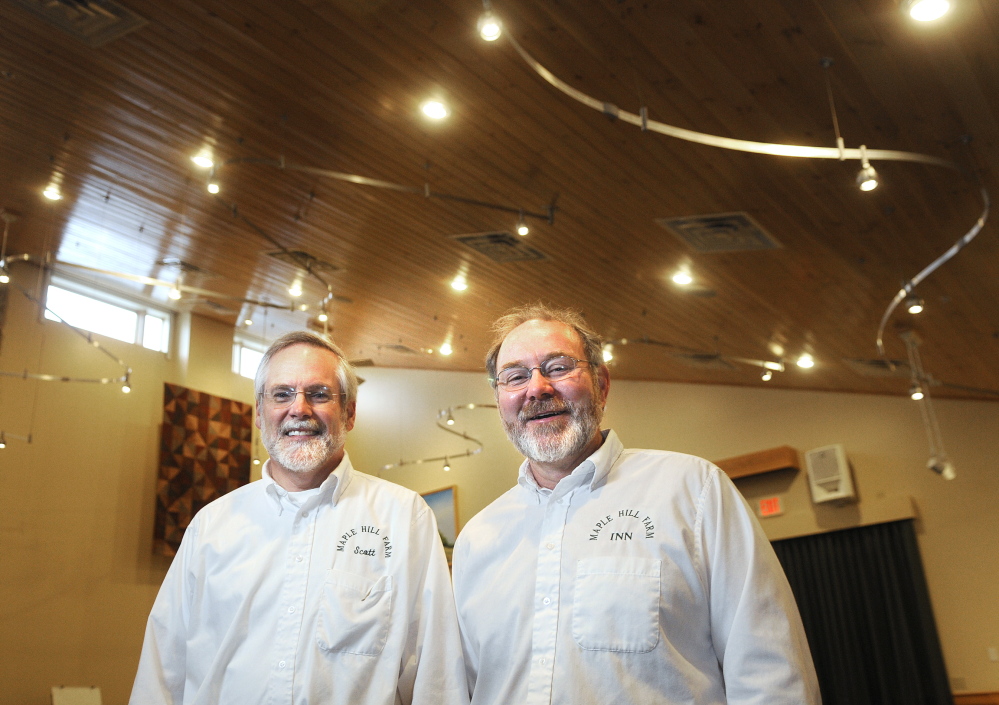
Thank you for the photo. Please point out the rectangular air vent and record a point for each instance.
(500, 246)
(94, 22)
(722, 232)
(877, 367)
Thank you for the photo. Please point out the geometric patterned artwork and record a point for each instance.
(205, 451)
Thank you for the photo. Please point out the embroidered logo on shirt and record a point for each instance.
(633, 523)
(372, 539)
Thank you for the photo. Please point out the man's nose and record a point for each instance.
(539, 386)
(300, 406)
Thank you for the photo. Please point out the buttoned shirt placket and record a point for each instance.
(547, 592)
(294, 591)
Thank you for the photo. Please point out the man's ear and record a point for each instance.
(603, 382)
(256, 420)
(348, 423)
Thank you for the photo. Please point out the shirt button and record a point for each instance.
(291, 610)
(281, 664)
(298, 559)
(543, 661)
(547, 601)
(550, 546)
(305, 514)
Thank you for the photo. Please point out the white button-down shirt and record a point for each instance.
(641, 578)
(337, 595)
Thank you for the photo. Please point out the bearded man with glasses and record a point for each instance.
(316, 584)
(613, 575)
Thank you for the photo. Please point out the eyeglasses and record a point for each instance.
(513, 378)
(315, 396)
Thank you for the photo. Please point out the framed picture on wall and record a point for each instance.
(444, 504)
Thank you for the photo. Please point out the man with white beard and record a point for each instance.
(316, 584)
(613, 575)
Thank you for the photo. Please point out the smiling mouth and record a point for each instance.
(547, 415)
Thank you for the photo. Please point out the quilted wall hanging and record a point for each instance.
(205, 451)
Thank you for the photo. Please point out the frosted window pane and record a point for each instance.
(152, 333)
(90, 314)
(249, 360)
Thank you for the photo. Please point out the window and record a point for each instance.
(246, 358)
(108, 315)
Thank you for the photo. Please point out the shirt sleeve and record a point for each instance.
(432, 671)
(162, 665)
(755, 626)
(469, 652)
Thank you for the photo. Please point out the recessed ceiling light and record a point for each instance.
(434, 109)
(927, 10)
(683, 278)
(490, 27)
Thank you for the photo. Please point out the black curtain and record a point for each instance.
(866, 610)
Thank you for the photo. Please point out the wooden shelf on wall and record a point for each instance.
(780, 458)
(983, 698)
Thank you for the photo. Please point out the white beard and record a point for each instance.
(298, 456)
(550, 444)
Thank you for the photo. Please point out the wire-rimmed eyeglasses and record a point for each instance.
(315, 396)
(513, 378)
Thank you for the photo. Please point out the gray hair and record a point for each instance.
(592, 343)
(344, 370)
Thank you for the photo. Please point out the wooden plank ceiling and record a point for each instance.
(337, 84)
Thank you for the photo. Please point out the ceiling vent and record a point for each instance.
(877, 367)
(500, 246)
(303, 260)
(723, 232)
(93, 22)
(399, 348)
(185, 267)
(704, 361)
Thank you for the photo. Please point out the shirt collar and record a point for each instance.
(330, 491)
(592, 471)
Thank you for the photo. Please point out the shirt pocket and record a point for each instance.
(354, 613)
(615, 605)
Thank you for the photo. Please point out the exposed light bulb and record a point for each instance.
(126, 387)
(450, 418)
(767, 375)
(213, 187)
(913, 304)
(942, 466)
(490, 28)
(174, 293)
(522, 229)
(927, 10)
(295, 290)
(3, 441)
(248, 322)
(446, 349)
(459, 283)
(52, 192)
(806, 361)
(4, 277)
(916, 392)
(256, 461)
(608, 352)
(434, 109)
(683, 278)
(867, 178)
(203, 160)
(323, 317)
(447, 465)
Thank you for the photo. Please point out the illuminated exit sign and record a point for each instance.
(770, 507)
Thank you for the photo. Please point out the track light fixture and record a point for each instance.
(126, 386)
(434, 109)
(450, 418)
(683, 278)
(806, 361)
(489, 25)
(447, 465)
(459, 283)
(4, 275)
(767, 375)
(446, 349)
(52, 192)
(3, 441)
(213, 187)
(608, 352)
(926, 10)
(916, 392)
(867, 177)
(913, 304)
(203, 160)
